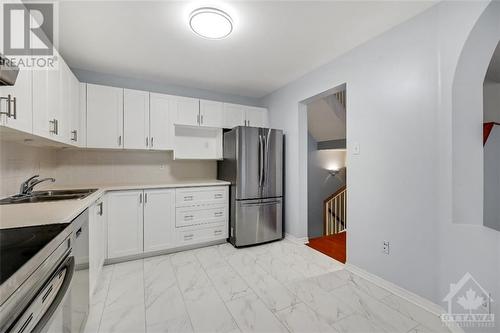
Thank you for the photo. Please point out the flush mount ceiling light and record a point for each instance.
(211, 23)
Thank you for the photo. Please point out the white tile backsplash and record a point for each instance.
(19, 161)
(78, 167)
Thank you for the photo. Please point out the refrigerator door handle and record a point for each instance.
(261, 161)
(265, 203)
(266, 158)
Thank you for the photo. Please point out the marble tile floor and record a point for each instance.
(277, 287)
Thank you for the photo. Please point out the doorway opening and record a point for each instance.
(491, 142)
(326, 173)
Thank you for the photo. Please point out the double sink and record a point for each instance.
(49, 195)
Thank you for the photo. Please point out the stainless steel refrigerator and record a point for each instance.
(253, 163)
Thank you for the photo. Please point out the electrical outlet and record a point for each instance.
(385, 247)
(486, 302)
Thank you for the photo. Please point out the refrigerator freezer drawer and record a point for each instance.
(257, 221)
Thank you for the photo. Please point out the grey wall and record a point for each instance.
(321, 184)
(491, 101)
(413, 137)
(158, 87)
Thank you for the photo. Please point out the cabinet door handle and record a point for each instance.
(57, 126)
(202, 119)
(217, 232)
(188, 198)
(218, 196)
(152, 138)
(147, 141)
(145, 198)
(140, 198)
(101, 209)
(119, 141)
(198, 119)
(188, 217)
(218, 214)
(14, 100)
(8, 100)
(74, 136)
(188, 237)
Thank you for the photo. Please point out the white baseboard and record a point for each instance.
(296, 240)
(403, 293)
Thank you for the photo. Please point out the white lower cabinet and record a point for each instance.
(202, 214)
(97, 242)
(159, 214)
(125, 223)
(143, 221)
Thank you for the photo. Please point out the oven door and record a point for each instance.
(50, 309)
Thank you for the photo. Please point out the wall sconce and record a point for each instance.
(334, 172)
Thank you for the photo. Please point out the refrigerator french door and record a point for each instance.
(253, 163)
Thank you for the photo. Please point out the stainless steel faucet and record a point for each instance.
(28, 185)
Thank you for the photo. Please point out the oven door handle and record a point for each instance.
(69, 265)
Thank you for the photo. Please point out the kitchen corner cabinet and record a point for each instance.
(75, 119)
(97, 241)
(82, 112)
(135, 119)
(159, 214)
(125, 223)
(161, 127)
(104, 117)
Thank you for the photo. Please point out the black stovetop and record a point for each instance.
(19, 245)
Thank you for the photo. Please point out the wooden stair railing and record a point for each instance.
(335, 212)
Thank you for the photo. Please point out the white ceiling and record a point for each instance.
(273, 43)
(493, 73)
(326, 119)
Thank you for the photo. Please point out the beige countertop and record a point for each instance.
(26, 214)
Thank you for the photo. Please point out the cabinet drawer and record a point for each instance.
(190, 196)
(201, 235)
(203, 215)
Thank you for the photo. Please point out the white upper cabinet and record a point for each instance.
(256, 117)
(16, 100)
(161, 127)
(82, 112)
(186, 110)
(242, 115)
(159, 219)
(75, 122)
(135, 119)
(46, 102)
(125, 223)
(211, 114)
(104, 117)
(55, 98)
(234, 115)
(16, 103)
(63, 116)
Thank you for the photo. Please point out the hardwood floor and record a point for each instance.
(333, 246)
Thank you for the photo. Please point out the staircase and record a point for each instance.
(335, 212)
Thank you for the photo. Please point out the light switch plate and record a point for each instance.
(356, 149)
